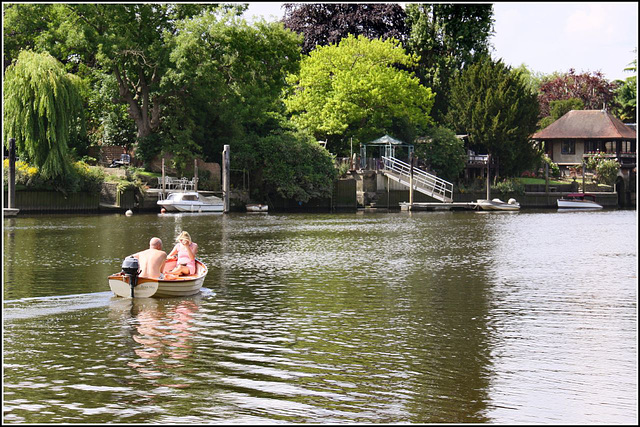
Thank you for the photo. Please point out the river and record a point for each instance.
(423, 317)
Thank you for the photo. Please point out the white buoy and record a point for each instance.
(129, 212)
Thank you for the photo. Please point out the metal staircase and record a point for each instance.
(422, 181)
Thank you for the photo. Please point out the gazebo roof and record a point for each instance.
(586, 124)
(387, 140)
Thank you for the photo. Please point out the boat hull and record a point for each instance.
(497, 205)
(257, 208)
(578, 204)
(182, 286)
(191, 202)
(190, 207)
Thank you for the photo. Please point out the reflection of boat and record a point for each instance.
(578, 201)
(191, 201)
(162, 329)
(120, 283)
(256, 207)
(498, 205)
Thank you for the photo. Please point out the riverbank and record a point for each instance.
(359, 191)
(48, 202)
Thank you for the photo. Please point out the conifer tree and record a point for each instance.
(492, 104)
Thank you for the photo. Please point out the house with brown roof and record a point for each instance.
(581, 133)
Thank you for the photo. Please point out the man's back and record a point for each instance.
(151, 262)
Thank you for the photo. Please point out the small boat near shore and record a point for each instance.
(498, 205)
(578, 201)
(143, 287)
(257, 207)
(191, 201)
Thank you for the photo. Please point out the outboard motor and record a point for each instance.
(131, 268)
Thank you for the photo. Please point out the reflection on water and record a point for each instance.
(164, 332)
(385, 318)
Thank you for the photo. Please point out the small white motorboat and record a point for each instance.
(191, 201)
(144, 287)
(497, 205)
(257, 207)
(578, 201)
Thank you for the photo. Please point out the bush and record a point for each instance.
(593, 160)
(443, 151)
(509, 186)
(90, 177)
(82, 177)
(554, 169)
(294, 166)
(26, 175)
(607, 171)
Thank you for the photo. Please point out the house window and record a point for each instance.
(568, 147)
(591, 146)
(610, 147)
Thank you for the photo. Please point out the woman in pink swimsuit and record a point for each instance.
(185, 252)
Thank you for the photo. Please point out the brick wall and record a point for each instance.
(107, 153)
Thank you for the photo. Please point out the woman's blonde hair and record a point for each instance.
(184, 235)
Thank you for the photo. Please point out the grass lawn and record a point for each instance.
(149, 174)
(539, 181)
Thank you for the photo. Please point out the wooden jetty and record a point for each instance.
(434, 206)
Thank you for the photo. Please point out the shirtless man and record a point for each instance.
(152, 260)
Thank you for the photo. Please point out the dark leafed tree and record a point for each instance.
(326, 23)
(591, 88)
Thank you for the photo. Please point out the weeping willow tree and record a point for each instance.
(41, 106)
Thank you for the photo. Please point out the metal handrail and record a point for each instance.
(424, 182)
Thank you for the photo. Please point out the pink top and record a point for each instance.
(183, 256)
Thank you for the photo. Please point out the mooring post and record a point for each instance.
(164, 182)
(195, 174)
(488, 177)
(411, 181)
(546, 180)
(11, 196)
(583, 182)
(225, 177)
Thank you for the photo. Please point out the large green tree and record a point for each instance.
(126, 40)
(42, 109)
(492, 104)
(447, 37)
(626, 96)
(356, 89)
(235, 73)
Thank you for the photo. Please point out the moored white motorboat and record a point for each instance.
(498, 205)
(257, 207)
(191, 201)
(120, 283)
(578, 201)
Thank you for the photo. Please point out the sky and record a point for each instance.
(551, 36)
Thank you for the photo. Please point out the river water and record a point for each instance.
(424, 317)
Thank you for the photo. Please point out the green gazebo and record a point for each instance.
(386, 145)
